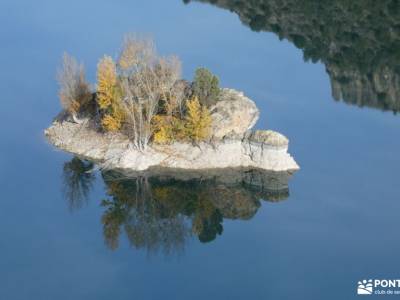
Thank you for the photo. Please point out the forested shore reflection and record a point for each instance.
(161, 210)
(358, 41)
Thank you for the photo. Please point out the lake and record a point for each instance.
(324, 73)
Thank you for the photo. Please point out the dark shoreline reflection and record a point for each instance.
(161, 209)
(357, 41)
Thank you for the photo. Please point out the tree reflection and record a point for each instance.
(78, 180)
(358, 41)
(149, 219)
(161, 210)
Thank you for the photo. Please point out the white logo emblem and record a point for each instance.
(365, 287)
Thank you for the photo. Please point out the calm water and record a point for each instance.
(338, 222)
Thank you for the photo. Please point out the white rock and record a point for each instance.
(234, 113)
(113, 151)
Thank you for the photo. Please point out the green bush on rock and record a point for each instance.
(206, 87)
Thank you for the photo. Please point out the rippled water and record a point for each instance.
(324, 74)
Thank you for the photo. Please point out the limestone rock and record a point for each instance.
(113, 151)
(233, 113)
(269, 137)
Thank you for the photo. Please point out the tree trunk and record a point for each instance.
(76, 119)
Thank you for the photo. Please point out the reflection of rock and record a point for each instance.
(233, 113)
(235, 203)
(264, 184)
(358, 41)
(161, 208)
(188, 201)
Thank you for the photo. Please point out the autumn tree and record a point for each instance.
(168, 129)
(109, 95)
(74, 91)
(198, 120)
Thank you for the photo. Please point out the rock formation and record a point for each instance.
(232, 146)
(233, 114)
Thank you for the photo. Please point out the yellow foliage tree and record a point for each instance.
(106, 82)
(161, 129)
(110, 123)
(108, 96)
(167, 129)
(198, 120)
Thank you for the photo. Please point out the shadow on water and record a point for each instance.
(161, 209)
(358, 41)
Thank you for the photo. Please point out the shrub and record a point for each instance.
(206, 87)
(74, 91)
(198, 120)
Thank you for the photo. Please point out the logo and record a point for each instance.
(365, 287)
(378, 287)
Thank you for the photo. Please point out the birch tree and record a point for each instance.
(146, 80)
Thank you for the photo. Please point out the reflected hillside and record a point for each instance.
(358, 41)
(161, 210)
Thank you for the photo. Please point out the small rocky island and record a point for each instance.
(143, 116)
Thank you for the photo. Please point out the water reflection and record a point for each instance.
(161, 210)
(358, 41)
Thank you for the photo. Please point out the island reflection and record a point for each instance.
(160, 210)
(358, 41)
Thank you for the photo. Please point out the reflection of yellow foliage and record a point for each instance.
(162, 194)
(197, 224)
(113, 187)
(198, 120)
(111, 230)
(204, 211)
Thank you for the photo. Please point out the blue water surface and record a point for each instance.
(340, 223)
